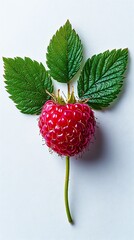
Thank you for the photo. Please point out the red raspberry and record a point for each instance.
(67, 129)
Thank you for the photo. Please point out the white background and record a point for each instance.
(32, 179)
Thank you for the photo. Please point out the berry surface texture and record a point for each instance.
(67, 129)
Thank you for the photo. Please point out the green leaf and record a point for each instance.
(64, 54)
(27, 82)
(102, 77)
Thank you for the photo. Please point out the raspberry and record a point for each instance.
(67, 129)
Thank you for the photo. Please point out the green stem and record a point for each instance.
(66, 190)
(68, 88)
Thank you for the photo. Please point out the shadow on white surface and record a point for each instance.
(96, 151)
